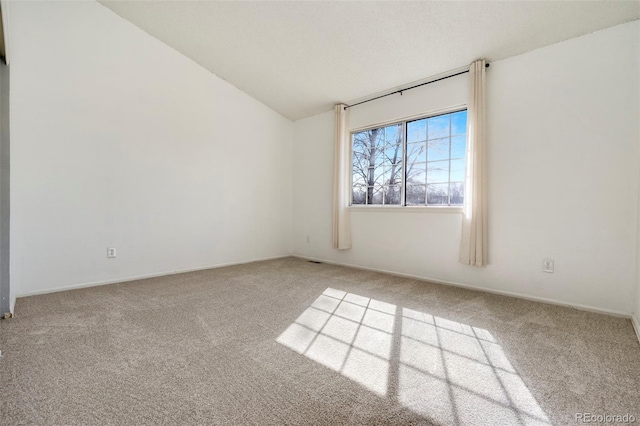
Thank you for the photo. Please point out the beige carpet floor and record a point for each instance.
(293, 342)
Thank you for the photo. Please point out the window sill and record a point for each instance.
(406, 209)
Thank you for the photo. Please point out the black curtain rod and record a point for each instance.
(412, 87)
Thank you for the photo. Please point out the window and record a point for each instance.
(412, 163)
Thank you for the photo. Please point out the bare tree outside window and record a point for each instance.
(429, 153)
(377, 165)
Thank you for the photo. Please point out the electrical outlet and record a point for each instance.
(547, 265)
(111, 252)
(308, 239)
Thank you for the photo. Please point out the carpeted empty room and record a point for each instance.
(319, 212)
(293, 342)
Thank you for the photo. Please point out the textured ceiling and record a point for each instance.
(300, 58)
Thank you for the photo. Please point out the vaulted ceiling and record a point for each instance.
(300, 58)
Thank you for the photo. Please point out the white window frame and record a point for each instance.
(401, 207)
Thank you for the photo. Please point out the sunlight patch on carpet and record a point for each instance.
(444, 370)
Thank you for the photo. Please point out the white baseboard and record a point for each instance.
(636, 325)
(477, 288)
(141, 277)
(634, 319)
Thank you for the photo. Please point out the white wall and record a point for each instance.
(120, 141)
(563, 182)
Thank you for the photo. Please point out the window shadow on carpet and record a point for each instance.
(450, 372)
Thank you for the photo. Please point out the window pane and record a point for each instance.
(360, 156)
(438, 171)
(396, 175)
(392, 195)
(359, 195)
(417, 131)
(378, 176)
(377, 136)
(375, 195)
(358, 179)
(360, 164)
(459, 123)
(458, 146)
(360, 141)
(458, 169)
(457, 194)
(438, 127)
(377, 154)
(416, 195)
(416, 173)
(377, 162)
(438, 194)
(416, 153)
(358, 146)
(393, 154)
(372, 175)
(392, 134)
(438, 149)
(392, 175)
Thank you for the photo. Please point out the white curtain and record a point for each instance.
(341, 174)
(473, 248)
